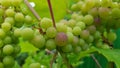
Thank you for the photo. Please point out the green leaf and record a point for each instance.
(59, 8)
(27, 47)
(112, 55)
(87, 52)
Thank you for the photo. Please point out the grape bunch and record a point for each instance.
(92, 23)
(13, 24)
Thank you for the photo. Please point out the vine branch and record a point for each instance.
(96, 61)
(32, 10)
(51, 12)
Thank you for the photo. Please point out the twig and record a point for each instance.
(98, 64)
(51, 12)
(32, 10)
(53, 59)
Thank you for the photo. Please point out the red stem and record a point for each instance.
(51, 12)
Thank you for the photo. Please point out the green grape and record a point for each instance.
(67, 48)
(19, 17)
(88, 19)
(97, 35)
(50, 44)
(2, 33)
(103, 12)
(27, 33)
(1, 12)
(15, 39)
(90, 3)
(71, 23)
(93, 12)
(1, 65)
(69, 29)
(76, 30)
(17, 32)
(77, 49)
(64, 21)
(92, 29)
(46, 23)
(61, 39)
(6, 3)
(105, 46)
(17, 49)
(74, 16)
(70, 37)
(16, 3)
(75, 41)
(82, 42)
(51, 32)
(75, 7)
(10, 12)
(115, 13)
(85, 9)
(85, 34)
(111, 36)
(79, 18)
(85, 47)
(99, 44)
(24, 10)
(35, 65)
(38, 41)
(7, 40)
(79, 4)
(90, 39)
(1, 44)
(81, 25)
(8, 49)
(28, 20)
(6, 26)
(8, 61)
(61, 27)
(10, 20)
(106, 3)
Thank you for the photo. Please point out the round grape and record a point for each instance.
(50, 44)
(35, 65)
(10, 12)
(76, 30)
(8, 49)
(6, 26)
(46, 23)
(8, 61)
(61, 39)
(38, 41)
(51, 32)
(27, 33)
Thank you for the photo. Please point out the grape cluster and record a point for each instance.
(92, 22)
(12, 27)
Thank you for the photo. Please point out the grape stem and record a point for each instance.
(65, 59)
(51, 12)
(53, 59)
(32, 10)
(96, 61)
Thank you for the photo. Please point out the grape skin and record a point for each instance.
(8, 49)
(51, 32)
